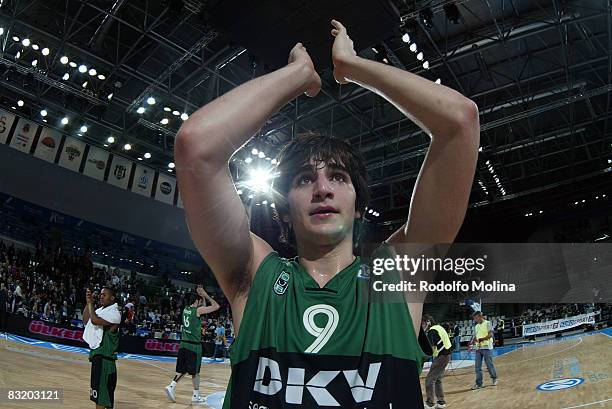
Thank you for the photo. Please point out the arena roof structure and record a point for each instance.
(540, 72)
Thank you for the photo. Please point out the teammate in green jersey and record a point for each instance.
(189, 357)
(308, 336)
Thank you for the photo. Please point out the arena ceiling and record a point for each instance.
(540, 72)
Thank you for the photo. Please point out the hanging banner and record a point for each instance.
(6, 122)
(24, 135)
(119, 174)
(164, 191)
(48, 144)
(72, 154)
(96, 163)
(143, 180)
(560, 324)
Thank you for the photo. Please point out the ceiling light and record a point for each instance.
(139, 158)
(171, 165)
(127, 147)
(35, 47)
(101, 77)
(64, 121)
(273, 161)
(261, 155)
(147, 155)
(1, 30)
(20, 103)
(164, 121)
(151, 101)
(45, 51)
(254, 151)
(26, 42)
(426, 65)
(83, 129)
(184, 116)
(439, 81)
(420, 56)
(176, 113)
(64, 60)
(406, 38)
(72, 64)
(43, 113)
(93, 72)
(109, 96)
(15, 38)
(18, 55)
(85, 84)
(248, 160)
(167, 109)
(413, 47)
(82, 69)
(110, 139)
(140, 110)
(34, 63)
(66, 76)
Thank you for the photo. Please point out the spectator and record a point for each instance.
(220, 340)
(457, 337)
(3, 304)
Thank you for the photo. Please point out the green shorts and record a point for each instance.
(103, 381)
(189, 358)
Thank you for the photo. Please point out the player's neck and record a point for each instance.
(322, 262)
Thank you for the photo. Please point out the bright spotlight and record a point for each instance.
(43, 113)
(82, 69)
(127, 147)
(64, 121)
(147, 155)
(26, 42)
(151, 101)
(66, 76)
(45, 51)
(83, 129)
(164, 121)
(184, 116)
(406, 38)
(259, 180)
(64, 60)
(110, 139)
(171, 165)
(20, 103)
(93, 72)
(140, 110)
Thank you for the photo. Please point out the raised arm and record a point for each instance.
(440, 196)
(214, 306)
(216, 217)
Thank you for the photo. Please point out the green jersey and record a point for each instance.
(109, 346)
(304, 346)
(192, 326)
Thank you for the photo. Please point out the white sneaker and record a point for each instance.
(428, 405)
(198, 400)
(170, 393)
(495, 382)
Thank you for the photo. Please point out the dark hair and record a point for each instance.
(321, 149)
(108, 288)
(429, 318)
(477, 313)
(193, 297)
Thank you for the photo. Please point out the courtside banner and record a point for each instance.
(560, 324)
(491, 272)
(6, 123)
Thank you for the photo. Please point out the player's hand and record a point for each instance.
(299, 55)
(343, 52)
(89, 296)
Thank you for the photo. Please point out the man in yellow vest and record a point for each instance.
(442, 347)
(483, 344)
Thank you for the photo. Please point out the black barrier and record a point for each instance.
(65, 335)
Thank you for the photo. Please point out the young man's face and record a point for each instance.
(322, 204)
(106, 297)
(478, 318)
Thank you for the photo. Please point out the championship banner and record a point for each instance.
(164, 191)
(48, 144)
(143, 180)
(119, 174)
(96, 163)
(72, 154)
(6, 122)
(560, 324)
(24, 135)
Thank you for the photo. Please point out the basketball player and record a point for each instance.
(307, 335)
(189, 357)
(102, 358)
(483, 343)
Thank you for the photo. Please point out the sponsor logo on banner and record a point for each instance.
(560, 324)
(120, 172)
(100, 164)
(165, 188)
(143, 180)
(73, 152)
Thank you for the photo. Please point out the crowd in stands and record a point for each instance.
(49, 284)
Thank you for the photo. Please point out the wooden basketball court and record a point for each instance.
(141, 383)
